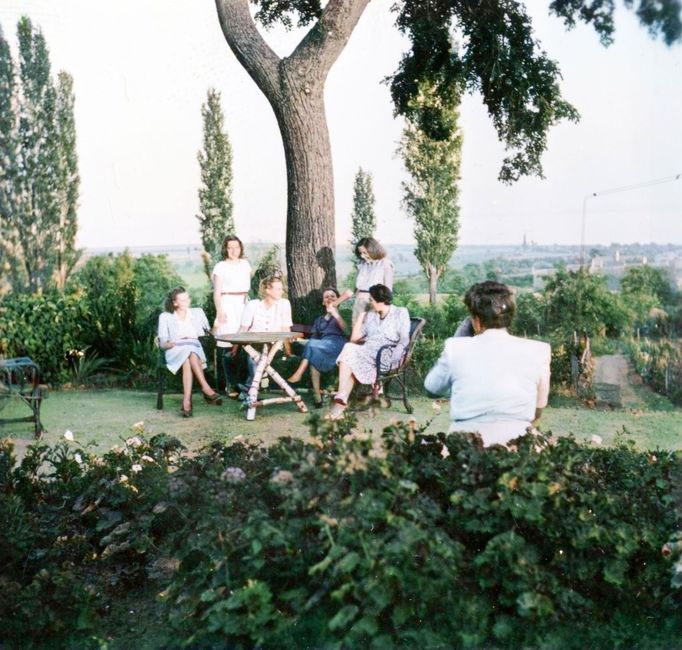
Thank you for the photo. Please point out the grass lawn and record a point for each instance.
(101, 418)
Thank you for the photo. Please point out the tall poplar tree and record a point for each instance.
(8, 235)
(39, 172)
(37, 215)
(364, 221)
(215, 193)
(431, 193)
(69, 182)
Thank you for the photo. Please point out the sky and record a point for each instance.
(142, 68)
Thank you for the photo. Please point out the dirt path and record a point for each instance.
(615, 370)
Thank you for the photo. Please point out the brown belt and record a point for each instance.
(362, 290)
(234, 293)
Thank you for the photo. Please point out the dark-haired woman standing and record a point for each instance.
(374, 268)
(231, 283)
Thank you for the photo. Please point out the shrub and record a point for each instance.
(348, 539)
(43, 327)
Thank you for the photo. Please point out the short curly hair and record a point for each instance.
(492, 303)
(381, 293)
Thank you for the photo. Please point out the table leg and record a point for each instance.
(295, 397)
(262, 361)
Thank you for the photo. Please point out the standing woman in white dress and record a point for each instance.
(179, 330)
(374, 268)
(231, 283)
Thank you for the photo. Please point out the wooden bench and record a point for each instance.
(398, 374)
(20, 378)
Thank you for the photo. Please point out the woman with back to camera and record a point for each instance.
(374, 268)
(498, 383)
(384, 324)
(179, 330)
(231, 282)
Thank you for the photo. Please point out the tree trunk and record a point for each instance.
(433, 276)
(310, 235)
(294, 86)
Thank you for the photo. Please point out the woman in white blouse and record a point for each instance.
(374, 268)
(272, 313)
(231, 283)
(179, 330)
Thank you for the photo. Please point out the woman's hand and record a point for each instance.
(345, 295)
(169, 345)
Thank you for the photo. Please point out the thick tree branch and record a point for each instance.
(250, 48)
(322, 45)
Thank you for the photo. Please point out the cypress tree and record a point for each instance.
(431, 194)
(363, 219)
(37, 215)
(69, 181)
(215, 193)
(8, 235)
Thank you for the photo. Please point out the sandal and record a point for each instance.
(337, 409)
(214, 399)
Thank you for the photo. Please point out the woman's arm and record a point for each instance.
(358, 332)
(388, 273)
(337, 316)
(164, 333)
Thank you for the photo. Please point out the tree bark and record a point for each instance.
(433, 275)
(294, 86)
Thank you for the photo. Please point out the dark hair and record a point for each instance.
(336, 292)
(374, 249)
(170, 298)
(381, 293)
(226, 241)
(492, 303)
(267, 282)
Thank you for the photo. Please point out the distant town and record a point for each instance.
(531, 261)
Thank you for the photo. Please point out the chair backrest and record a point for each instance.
(416, 327)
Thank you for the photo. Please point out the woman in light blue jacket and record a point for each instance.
(179, 330)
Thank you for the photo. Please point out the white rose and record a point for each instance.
(68, 434)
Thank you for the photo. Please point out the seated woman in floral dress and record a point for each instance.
(326, 342)
(179, 330)
(383, 325)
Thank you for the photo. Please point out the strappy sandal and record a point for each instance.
(214, 399)
(337, 409)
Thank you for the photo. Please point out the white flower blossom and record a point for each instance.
(138, 427)
(134, 441)
(282, 477)
(78, 458)
(147, 459)
(597, 440)
(233, 475)
(68, 434)
(136, 468)
(123, 479)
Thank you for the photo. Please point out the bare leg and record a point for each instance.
(195, 364)
(187, 385)
(315, 381)
(346, 382)
(299, 371)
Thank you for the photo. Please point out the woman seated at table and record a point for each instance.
(270, 313)
(179, 330)
(384, 324)
(326, 342)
